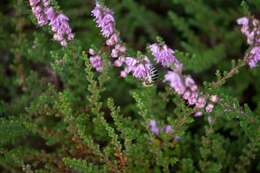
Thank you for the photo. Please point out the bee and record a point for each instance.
(152, 77)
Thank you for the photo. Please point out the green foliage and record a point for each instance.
(58, 115)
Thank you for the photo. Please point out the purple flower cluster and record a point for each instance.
(156, 130)
(251, 29)
(39, 12)
(45, 14)
(140, 68)
(164, 55)
(95, 60)
(104, 19)
(186, 87)
(60, 27)
(254, 56)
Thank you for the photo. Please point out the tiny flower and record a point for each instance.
(189, 81)
(153, 127)
(50, 13)
(91, 51)
(155, 130)
(114, 53)
(250, 28)
(163, 55)
(194, 88)
(96, 63)
(192, 100)
(130, 62)
(152, 123)
(112, 40)
(123, 74)
(38, 12)
(175, 81)
(118, 62)
(45, 14)
(198, 114)
(104, 19)
(214, 98)
(167, 129)
(141, 71)
(243, 21)
(254, 57)
(209, 107)
(201, 102)
(186, 95)
(34, 2)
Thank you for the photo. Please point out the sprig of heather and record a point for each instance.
(165, 56)
(183, 85)
(251, 29)
(186, 87)
(45, 14)
(38, 11)
(141, 67)
(95, 60)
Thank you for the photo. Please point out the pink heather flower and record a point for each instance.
(254, 57)
(186, 95)
(214, 98)
(34, 2)
(95, 60)
(243, 21)
(61, 28)
(153, 127)
(50, 13)
(38, 12)
(164, 55)
(130, 62)
(176, 82)
(58, 22)
(118, 50)
(198, 114)
(141, 71)
(251, 29)
(91, 51)
(123, 74)
(112, 40)
(167, 129)
(201, 102)
(209, 107)
(119, 62)
(245, 29)
(193, 98)
(139, 68)
(104, 19)
(96, 63)
(189, 81)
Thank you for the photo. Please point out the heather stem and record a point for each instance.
(230, 74)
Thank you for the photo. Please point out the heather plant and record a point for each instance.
(129, 86)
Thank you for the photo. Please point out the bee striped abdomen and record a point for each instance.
(153, 76)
